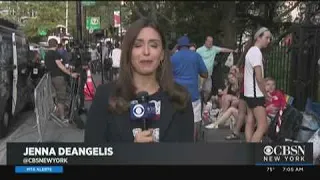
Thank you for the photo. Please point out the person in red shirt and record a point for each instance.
(277, 100)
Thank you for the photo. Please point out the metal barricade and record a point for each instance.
(45, 106)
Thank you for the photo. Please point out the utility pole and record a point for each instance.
(120, 28)
(67, 15)
(121, 4)
(79, 20)
(84, 18)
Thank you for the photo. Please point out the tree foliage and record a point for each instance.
(48, 15)
(226, 21)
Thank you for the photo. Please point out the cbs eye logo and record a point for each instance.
(268, 150)
(138, 110)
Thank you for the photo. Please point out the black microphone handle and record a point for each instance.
(145, 124)
(143, 98)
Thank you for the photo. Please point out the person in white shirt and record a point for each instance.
(94, 53)
(254, 87)
(116, 56)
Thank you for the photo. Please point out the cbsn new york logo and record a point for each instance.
(284, 153)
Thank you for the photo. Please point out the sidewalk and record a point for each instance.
(26, 131)
(218, 135)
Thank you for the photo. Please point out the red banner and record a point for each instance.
(116, 18)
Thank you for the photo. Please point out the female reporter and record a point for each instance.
(145, 66)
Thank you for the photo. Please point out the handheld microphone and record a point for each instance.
(142, 98)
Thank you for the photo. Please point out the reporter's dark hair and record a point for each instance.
(119, 101)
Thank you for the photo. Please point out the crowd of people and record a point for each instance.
(248, 100)
(181, 84)
(110, 59)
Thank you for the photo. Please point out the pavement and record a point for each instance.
(218, 135)
(24, 130)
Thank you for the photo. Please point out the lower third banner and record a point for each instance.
(158, 154)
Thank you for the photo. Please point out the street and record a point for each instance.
(25, 130)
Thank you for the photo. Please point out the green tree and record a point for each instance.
(48, 15)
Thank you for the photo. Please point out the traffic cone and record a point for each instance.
(89, 89)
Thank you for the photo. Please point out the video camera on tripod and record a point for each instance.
(80, 55)
(79, 58)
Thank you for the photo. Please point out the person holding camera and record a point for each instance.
(54, 64)
(144, 67)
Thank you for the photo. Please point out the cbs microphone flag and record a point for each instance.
(30, 154)
(116, 19)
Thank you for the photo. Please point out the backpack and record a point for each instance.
(313, 108)
(310, 124)
(315, 139)
(286, 125)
